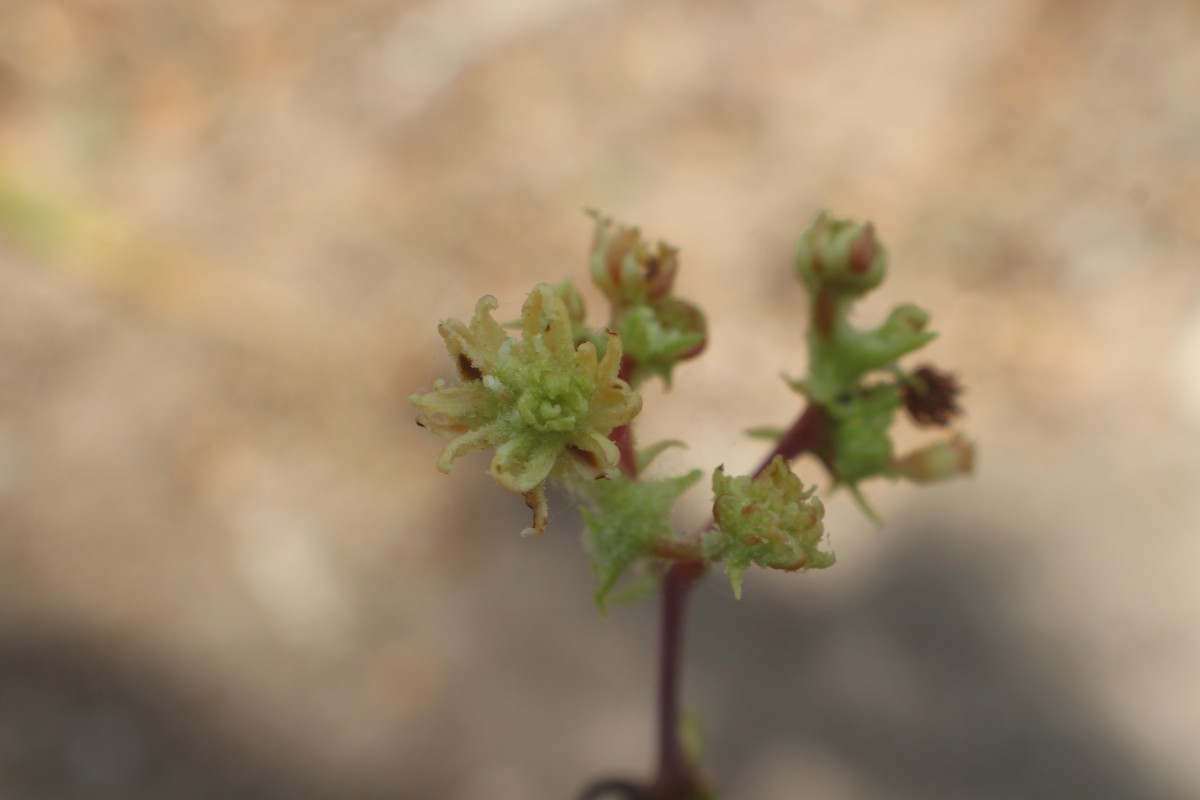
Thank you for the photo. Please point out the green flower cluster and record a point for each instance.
(770, 520)
(544, 405)
(557, 402)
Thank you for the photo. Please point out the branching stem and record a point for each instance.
(676, 778)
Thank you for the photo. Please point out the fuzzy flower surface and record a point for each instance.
(544, 405)
(770, 520)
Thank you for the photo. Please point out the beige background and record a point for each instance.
(229, 569)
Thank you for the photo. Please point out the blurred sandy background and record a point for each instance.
(228, 568)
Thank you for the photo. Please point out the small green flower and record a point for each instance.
(841, 254)
(624, 267)
(544, 405)
(770, 520)
(658, 329)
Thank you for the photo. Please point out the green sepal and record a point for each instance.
(861, 445)
(626, 519)
(656, 340)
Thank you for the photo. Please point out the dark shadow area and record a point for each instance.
(920, 685)
(78, 722)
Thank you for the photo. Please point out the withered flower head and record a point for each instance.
(624, 266)
(931, 399)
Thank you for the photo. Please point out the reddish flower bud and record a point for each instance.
(840, 254)
(626, 269)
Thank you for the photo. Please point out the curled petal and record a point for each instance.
(533, 311)
(474, 348)
(594, 456)
(448, 410)
(558, 336)
(471, 441)
(614, 405)
(585, 355)
(519, 466)
(610, 366)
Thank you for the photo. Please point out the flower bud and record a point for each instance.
(770, 520)
(625, 268)
(945, 459)
(840, 254)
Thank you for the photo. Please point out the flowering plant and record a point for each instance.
(559, 402)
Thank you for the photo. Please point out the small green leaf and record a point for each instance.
(647, 455)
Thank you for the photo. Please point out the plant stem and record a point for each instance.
(808, 434)
(676, 779)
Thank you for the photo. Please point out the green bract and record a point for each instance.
(862, 426)
(657, 341)
(770, 520)
(629, 518)
(544, 405)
